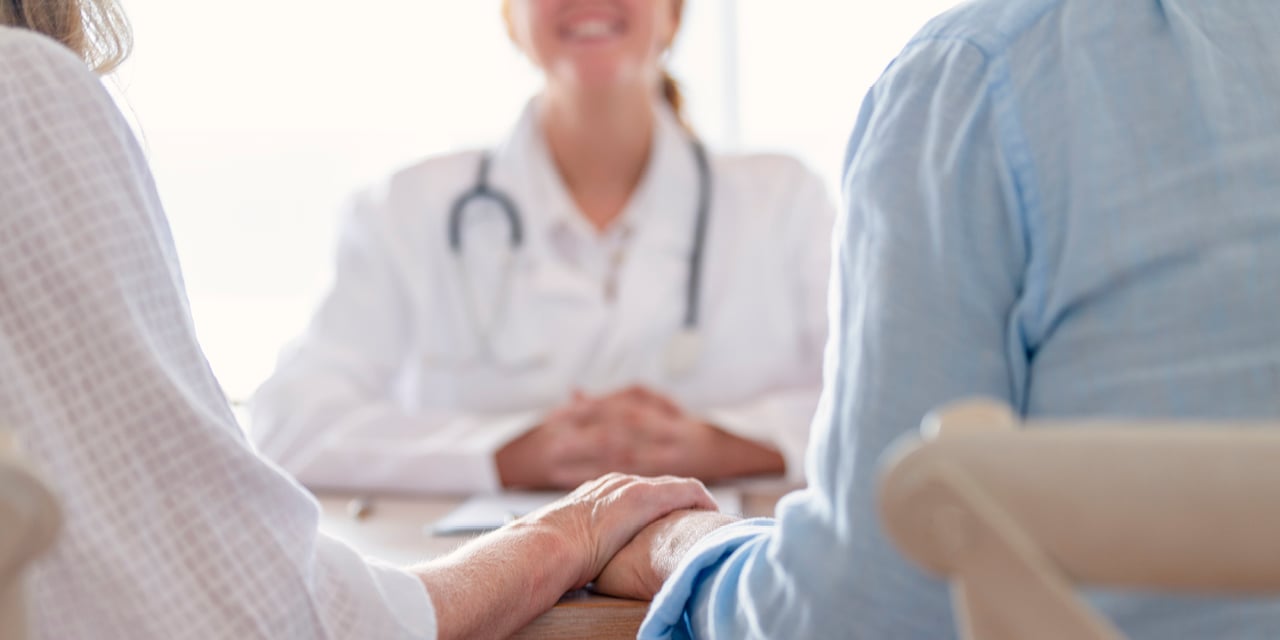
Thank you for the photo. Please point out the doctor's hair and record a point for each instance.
(670, 87)
(95, 30)
(675, 98)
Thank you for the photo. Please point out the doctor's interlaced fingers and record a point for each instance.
(596, 293)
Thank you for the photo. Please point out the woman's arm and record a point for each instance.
(498, 583)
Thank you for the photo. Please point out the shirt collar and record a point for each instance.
(661, 212)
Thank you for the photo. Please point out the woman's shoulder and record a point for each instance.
(778, 194)
(439, 166)
(421, 187)
(27, 58)
(765, 169)
(15, 41)
(771, 182)
(18, 45)
(434, 174)
(45, 88)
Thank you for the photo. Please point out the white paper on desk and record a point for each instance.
(486, 513)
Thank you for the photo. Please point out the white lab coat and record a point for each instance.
(388, 390)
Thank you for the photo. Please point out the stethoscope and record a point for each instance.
(685, 346)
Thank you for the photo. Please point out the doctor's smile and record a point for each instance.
(598, 23)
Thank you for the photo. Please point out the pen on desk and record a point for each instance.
(360, 507)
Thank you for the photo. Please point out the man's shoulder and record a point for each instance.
(992, 25)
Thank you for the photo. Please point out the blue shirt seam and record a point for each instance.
(1013, 140)
(1015, 147)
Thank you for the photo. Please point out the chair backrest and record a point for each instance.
(31, 520)
(1014, 517)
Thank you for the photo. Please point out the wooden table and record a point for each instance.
(396, 529)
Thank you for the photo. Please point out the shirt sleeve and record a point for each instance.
(328, 414)
(929, 267)
(173, 525)
(782, 418)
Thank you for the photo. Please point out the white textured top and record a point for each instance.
(174, 527)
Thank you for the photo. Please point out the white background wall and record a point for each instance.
(260, 116)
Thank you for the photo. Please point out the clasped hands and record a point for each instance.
(627, 534)
(634, 430)
(630, 549)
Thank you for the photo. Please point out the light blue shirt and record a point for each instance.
(1073, 205)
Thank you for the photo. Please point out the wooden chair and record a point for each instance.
(30, 520)
(1014, 517)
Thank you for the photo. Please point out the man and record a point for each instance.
(1069, 205)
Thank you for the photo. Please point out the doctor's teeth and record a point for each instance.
(592, 29)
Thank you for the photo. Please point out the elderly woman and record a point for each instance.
(174, 527)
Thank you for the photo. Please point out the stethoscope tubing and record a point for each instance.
(693, 289)
(482, 190)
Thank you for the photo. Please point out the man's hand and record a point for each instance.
(640, 569)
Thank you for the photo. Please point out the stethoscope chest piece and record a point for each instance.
(682, 353)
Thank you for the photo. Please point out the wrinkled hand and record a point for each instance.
(640, 568)
(499, 582)
(596, 520)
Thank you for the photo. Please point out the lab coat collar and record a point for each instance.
(660, 212)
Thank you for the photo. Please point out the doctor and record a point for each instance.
(597, 293)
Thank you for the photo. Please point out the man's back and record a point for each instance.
(1153, 285)
(1153, 130)
(1141, 142)
(1069, 205)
